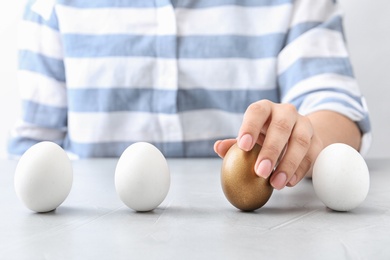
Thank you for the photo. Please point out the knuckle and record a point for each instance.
(273, 150)
(306, 120)
(302, 139)
(289, 108)
(259, 107)
(282, 125)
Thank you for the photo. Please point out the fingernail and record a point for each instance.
(279, 181)
(245, 142)
(216, 144)
(264, 168)
(293, 180)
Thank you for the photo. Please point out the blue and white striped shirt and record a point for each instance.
(97, 76)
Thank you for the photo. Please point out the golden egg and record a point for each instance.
(240, 184)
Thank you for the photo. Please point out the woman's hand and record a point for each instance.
(289, 142)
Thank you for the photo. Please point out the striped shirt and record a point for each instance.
(97, 76)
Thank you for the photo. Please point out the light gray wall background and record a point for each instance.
(367, 25)
(10, 12)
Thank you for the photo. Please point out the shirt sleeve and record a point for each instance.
(41, 80)
(314, 69)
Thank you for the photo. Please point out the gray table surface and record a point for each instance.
(195, 221)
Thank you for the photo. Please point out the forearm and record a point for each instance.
(332, 127)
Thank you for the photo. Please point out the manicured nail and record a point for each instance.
(264, 168)
(279, 181)
(216, 144)
(293, 180)
(245, 142)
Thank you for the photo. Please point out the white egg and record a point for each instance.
(341, 177)
(142, 177)
(43, 177)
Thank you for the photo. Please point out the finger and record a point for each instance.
(292, 167)
(306, 166)
(261, 138)
(254, 119)
(279, 130)
(222, 146)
